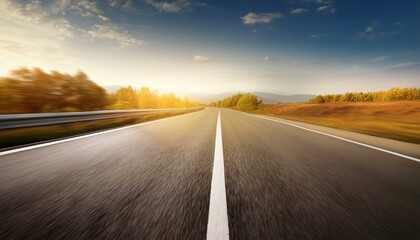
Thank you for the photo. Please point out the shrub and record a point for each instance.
(247, 102)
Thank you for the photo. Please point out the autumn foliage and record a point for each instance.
(393, 94)
(35, 91)
(240, 101)
(130, 98)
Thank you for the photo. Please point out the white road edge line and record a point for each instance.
(217, 227)
(343, 139)
(81, 137)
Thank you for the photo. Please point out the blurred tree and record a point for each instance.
(248, 102)
(147, 98)
(168, 100)
(393, 94)
(11, 97)
(34, 90)
(126, 98)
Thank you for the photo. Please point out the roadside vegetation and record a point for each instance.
(395, 120)
(35, 91)
(392, 95)
(22, 136)
(393, 114)
(243, 102)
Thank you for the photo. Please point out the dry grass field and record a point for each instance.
(396, 120)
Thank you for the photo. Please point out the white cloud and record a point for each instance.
(380, 58)
(85, 8)
(90, 6)
(200, 59)
(61, 6)
(324, 5)
(268, 59)
(31, 36)
(367, 32)
(114, 3)
(128, 6)
(33, 13)
(317, 35)
(370, 32)
(406, 65)
(323, 1)
(113, 33)
(254, 18)
(368, 29)
(173, 6)
(103, 18)
(322, 8)
(298, 10)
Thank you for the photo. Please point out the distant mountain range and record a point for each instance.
(267, 98)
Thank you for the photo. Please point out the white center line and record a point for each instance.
(217, 227)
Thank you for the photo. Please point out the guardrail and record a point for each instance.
(11, 121)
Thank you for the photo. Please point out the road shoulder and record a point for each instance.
(401, 147)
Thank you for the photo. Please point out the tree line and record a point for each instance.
(130, 98)
(393, 94)
(36, 91)
(240, 101)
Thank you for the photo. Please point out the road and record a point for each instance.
(154, 181)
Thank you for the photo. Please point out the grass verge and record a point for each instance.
(24, 136)
(394, 120)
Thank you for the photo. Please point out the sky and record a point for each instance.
(275, 46)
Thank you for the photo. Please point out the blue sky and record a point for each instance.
(291, 46)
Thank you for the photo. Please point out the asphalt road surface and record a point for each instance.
(154, 181)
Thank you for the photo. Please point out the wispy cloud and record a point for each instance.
(129, 6)
(86, 8)
(370, 32)
(268, 59)
(113, 33)
(322, 8)
(61, 6)
(200, 59)
(114, 3)
(380, 58)
(174, 6)
(89, 6)
(33, 13)
(254, 18)
(325, 8)
(319, 35)
(405, 65)
(48, 36)
(324, 1)
(49, 23)
(299, 10)
(302, 64)
(265, 59)
(367, 32)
